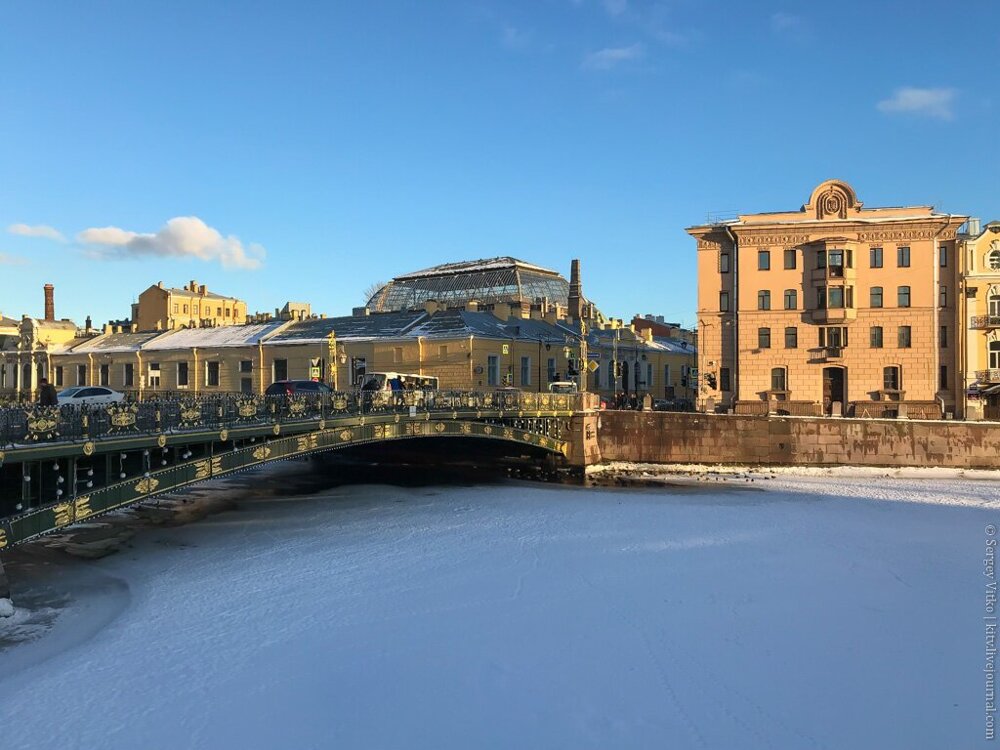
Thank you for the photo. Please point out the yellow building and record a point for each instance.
(163, 308)
(979, 258)
(834, 308)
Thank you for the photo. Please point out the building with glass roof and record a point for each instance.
(487, 282)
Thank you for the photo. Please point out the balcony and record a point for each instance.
(984, 322)
(988, 376)
(832, 314)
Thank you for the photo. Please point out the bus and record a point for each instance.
(383, 381)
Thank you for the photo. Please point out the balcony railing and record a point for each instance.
(988, 376)
(982, 322)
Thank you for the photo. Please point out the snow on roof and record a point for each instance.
(212, 295)
(221, 336)
(376, 325)
(116, 342)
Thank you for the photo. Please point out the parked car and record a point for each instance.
(562, 386)
(88, 395)
(297, 388)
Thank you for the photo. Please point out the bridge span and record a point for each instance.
(63, 465)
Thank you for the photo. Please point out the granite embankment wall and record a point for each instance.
(661, 437)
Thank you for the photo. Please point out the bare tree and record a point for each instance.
(372, 288)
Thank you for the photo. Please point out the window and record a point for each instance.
(903, 296)
(789, 258)
(218, 312)
(944, 337)
(724, 384)
(905, 337)
(836, 263)
(821, 259)
(764, 300)
(876, 337)
(875, 297)
(212, 374)
(59, 377)
(443, 351)
(724, 263)
(723, 301)
(397, 355)
(493, 370)
(833, 337)
(791, 299)
(649, 375)
(185, 309)
(943, 296)
(778, 379)
(994, 355)
(246, 365)
(875, 257)
(943, 380)
(182, 374)
(821, 297)
(993, 259)
(153, 375)
(763, 338)
(903, 257)
(835, 297)
(128, 375)
(525, 370)
(791, 337)
(105, 375)
(943, 256)
(551, 368)
(176, 308)
(280, 370)
(666, 375)
(763, 260)
(891, 380)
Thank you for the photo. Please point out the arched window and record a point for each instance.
(993, 259)
(994, 304)
(778, 380)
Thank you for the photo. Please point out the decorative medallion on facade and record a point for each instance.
(833, 199)
(190, 413)
(247, 407)
(261, 453)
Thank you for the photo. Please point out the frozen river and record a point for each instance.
(798, 612)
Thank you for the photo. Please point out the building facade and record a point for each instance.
(835, 308)
(979, 312)
(163, 308)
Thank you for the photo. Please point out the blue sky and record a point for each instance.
(304, 150)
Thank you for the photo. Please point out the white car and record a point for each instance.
(89, 394)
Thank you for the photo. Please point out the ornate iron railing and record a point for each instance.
(982, 322)
(28, 424)
(988, 376)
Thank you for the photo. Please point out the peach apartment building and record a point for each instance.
(835, 308)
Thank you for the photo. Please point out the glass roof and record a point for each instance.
(487, 281)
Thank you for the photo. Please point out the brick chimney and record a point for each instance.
(50, 304)
(575, 291)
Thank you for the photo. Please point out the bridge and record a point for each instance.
(63, 465)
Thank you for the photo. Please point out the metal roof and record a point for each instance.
(116, 342)
(217, 337)
(377, 325)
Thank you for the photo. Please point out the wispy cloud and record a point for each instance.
(181, 237)
(12, 260)
(38, 230)
(610, 57)
(910, 100)
(782, 22)
(615, 7)
(514, 38)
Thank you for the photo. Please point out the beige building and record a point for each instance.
(163, 308)
(979, 310)
(834, 308)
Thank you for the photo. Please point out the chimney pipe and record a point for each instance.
(50, 305)
(575, 291)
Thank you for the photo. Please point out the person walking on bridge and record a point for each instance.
(47, 393)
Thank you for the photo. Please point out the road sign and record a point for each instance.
(592, 366)
(593, 355)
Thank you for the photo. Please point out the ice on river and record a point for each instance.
(799, 613)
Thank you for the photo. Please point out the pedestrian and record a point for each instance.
(47, 394)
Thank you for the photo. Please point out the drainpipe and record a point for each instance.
(472, 365)
(936, 335)
(194, 353)
(137, 377)
(260, 366)
(736, 318)
(90, 369)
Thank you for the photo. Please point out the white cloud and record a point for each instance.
(615, 7)
(609, 57)
(936, 103)
(781, 21)
(38, 230)
(181, 237)
(12, 260)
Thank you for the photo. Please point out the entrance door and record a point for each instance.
(833, 387)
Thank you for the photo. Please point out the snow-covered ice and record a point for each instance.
(801, 612)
